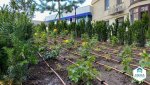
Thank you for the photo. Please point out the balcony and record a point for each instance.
(117, 8)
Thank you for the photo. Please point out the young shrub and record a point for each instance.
(145, 61)
(82, 72)
(64, 33)
(101, 30)
(51, 25)
(121, 33)
(148, 44)
(126, 56)
(94, 41)
(53, 53)
(89, 28)
(16, 48)
(42, 26)
(85, 37)
(70, 42)
(40, 38)
(85, 49)
(87, 45)
(140, 36)
(19, 57)
(114, 40)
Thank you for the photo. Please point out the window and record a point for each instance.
(120, 21)
(133, 1)
(134, 14)
(106, 4)
(119, 2)
(107, 23)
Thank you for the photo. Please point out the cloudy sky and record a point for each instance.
(41, 16)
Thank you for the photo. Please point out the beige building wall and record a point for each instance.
(99, 12)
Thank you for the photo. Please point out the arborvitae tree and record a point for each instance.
(89, 28)
(51, 26)
(59, 6)
(101, 30)
(42, 26)
(121, 33)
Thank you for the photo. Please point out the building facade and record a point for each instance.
(81, 13)
(119, 10)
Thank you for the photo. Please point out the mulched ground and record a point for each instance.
(40, 74)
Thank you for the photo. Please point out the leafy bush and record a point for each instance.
(22, 54)
(121, 33)
(145, 61)
(70, 42)
(94, 41)
(82, 72)
(85, 49)
(53, 53)
(101, 30)
(139, 33)
(126, 56)
(39, 38)
(16, 48)
(114, 40)
(87, 45)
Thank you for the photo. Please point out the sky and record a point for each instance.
(40, 16)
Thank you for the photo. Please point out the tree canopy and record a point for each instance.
(58, 6)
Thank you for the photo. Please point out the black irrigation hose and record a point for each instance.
(112, 67)
(104, 52)
(115, 69)
(114, 60)
(110, 59)
(120, 71)
(52, 70)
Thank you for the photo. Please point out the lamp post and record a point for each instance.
(75, 7)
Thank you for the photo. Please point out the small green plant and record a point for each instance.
(82, 72)
(53, 53)
(40, 38)
(64, 33)
(94, 41)
(87, 45)
(148, 44)
(85, 49)
(69, 43)
(126, 56)
(114, 40)
(145, 61)
(85, 37)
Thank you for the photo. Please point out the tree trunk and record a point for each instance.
(59, 9)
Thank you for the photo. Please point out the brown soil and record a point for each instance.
(40, 74)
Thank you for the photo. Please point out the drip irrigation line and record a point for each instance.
(114, 60)
(148, 83)
(110, 54)
(112, 67)
(52, 70)
(119, 70)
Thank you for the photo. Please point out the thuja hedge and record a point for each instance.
(126, 33)
(16, 48)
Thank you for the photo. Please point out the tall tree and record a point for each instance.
(26, 6)
(59, 6)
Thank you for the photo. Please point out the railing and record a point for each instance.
(117, 8)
